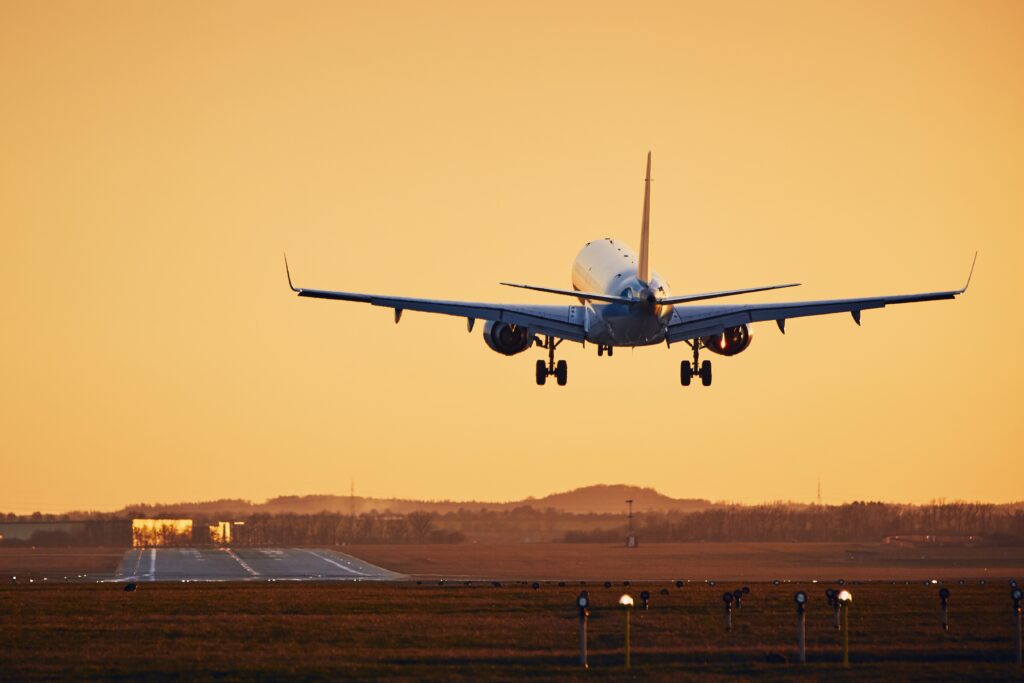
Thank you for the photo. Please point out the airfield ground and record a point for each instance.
(558, 561)
(373, 630)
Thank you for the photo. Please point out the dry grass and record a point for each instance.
(664, 561)
(58, 561)
(341, 631)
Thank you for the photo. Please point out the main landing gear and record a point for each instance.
(560, 369)
(602, 349)
(687, 371)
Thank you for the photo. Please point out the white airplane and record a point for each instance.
(624, 303)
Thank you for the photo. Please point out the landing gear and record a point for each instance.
(601, 349)
(560, 369)
(687, 371)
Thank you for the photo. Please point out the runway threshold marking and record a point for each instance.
(236, 558)
(152, 564)
(335, 563)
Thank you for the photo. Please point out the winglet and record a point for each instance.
(971, 274)
(288, 272)
(645, 227)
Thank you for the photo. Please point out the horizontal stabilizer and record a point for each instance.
(718, 295)
(607, 298)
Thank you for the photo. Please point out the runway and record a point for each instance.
(247, 564)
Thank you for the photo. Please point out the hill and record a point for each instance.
(599, 499)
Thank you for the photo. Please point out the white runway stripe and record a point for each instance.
(236, 558)
(335, 563)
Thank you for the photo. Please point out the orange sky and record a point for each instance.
(156, 158)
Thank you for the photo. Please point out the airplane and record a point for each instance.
(622, 302)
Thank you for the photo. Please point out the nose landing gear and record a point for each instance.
(687, 371)
(560, 369)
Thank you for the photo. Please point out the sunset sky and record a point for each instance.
(156, 159)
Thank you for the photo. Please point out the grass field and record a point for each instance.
(333, 631)
(663, 561)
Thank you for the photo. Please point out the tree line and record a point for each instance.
(853, 522)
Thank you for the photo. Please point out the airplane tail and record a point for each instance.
(643, 272)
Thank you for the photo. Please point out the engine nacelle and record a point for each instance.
(732, 341)
(507, 339)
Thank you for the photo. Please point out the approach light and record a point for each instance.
(746, 589)
(1016, 594)
(679, 584)
(727, 598)
(645, 598)
(583, 600)
(1013, 583)
(607, 584)
(944, 594)
(534, 585)
(845, 597)
(626, 600)
(800, 598)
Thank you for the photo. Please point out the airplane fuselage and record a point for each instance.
(609, 267)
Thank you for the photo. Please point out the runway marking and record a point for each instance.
(152, 564)
(335, 563)
(236, 558)
(138, 562)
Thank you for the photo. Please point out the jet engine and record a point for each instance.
(506, 338)
(732, 341)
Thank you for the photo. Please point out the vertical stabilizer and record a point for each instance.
(645, 228)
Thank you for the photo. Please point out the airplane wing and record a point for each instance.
(564, 322)
(691, 322)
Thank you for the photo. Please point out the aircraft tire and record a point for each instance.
(685, 373)
(705, 373)
(542, 373)
(562, 373)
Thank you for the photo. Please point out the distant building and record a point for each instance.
(147, 533)
(221, 533)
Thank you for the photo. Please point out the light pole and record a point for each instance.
(727, 598)
(1016, 594)
(627, 603)
(583, 602)
(833, 602)
(801, 635)
(845, 599)
(944, 597)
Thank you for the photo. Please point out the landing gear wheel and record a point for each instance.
(542, 372)
(610, 349)
(705, 373)
(562, 373)
(685, 373)
(600, 350)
